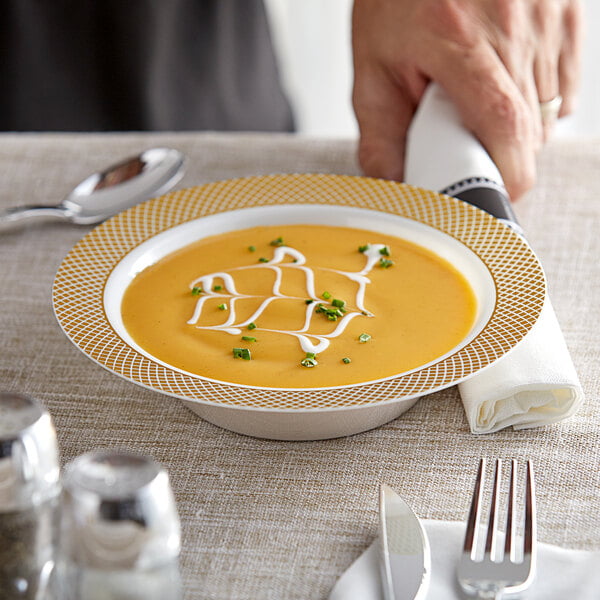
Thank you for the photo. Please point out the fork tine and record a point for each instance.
(475, 510)
(492, 576)
(490, 542)
(509, 540)
(530, 533)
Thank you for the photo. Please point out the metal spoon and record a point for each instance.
(104, 194)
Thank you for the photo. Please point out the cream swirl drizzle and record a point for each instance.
(309, 342)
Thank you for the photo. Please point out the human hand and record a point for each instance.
(496, 59)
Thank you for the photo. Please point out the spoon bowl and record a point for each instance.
(108, 192)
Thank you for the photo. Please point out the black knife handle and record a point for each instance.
(486, 195)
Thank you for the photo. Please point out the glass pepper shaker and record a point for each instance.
(29, 492)
(120, 532)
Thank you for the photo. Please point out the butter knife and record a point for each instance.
(405, 555)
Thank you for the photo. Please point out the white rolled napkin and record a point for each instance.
(536, 383)
(561, 573)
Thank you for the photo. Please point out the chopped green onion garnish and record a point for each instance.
(331, 313)
(217, 288)
(263, 259)
(248, 338)
(277, 242)
(251, 326)
(385, 263)
(309, 301)
(363, 248)
(252, 248)
(326, 295)
(346, 360)
(242, 353)
(310, 360)
(385, 251)
(196, 291)
(222, 306)
(339, 304)
(363, 338)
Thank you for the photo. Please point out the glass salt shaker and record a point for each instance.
(29, 492)
(120, 533)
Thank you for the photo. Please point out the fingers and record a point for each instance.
(494, 109)
(570, 56)
(515, 43)
(556, 34)
(547, 20)
(529, 91)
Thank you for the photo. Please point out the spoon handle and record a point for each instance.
(20, 213)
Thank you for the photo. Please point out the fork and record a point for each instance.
(499, 572)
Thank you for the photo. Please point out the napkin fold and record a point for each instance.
(560, 573)
(536, 383)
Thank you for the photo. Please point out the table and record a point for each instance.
(282, 520)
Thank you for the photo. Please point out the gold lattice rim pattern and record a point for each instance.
(79, 285)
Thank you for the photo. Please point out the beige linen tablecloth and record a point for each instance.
(282, 520)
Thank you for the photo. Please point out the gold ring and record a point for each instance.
(549, 110)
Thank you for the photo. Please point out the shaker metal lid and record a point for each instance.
(29, 463)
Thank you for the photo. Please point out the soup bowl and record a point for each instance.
(504, 274)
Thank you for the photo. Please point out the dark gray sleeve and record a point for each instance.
(139, 65)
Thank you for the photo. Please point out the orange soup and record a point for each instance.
(299, 306)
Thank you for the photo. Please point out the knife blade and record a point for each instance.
(405, 555)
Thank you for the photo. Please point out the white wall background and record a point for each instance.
(312, 38)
